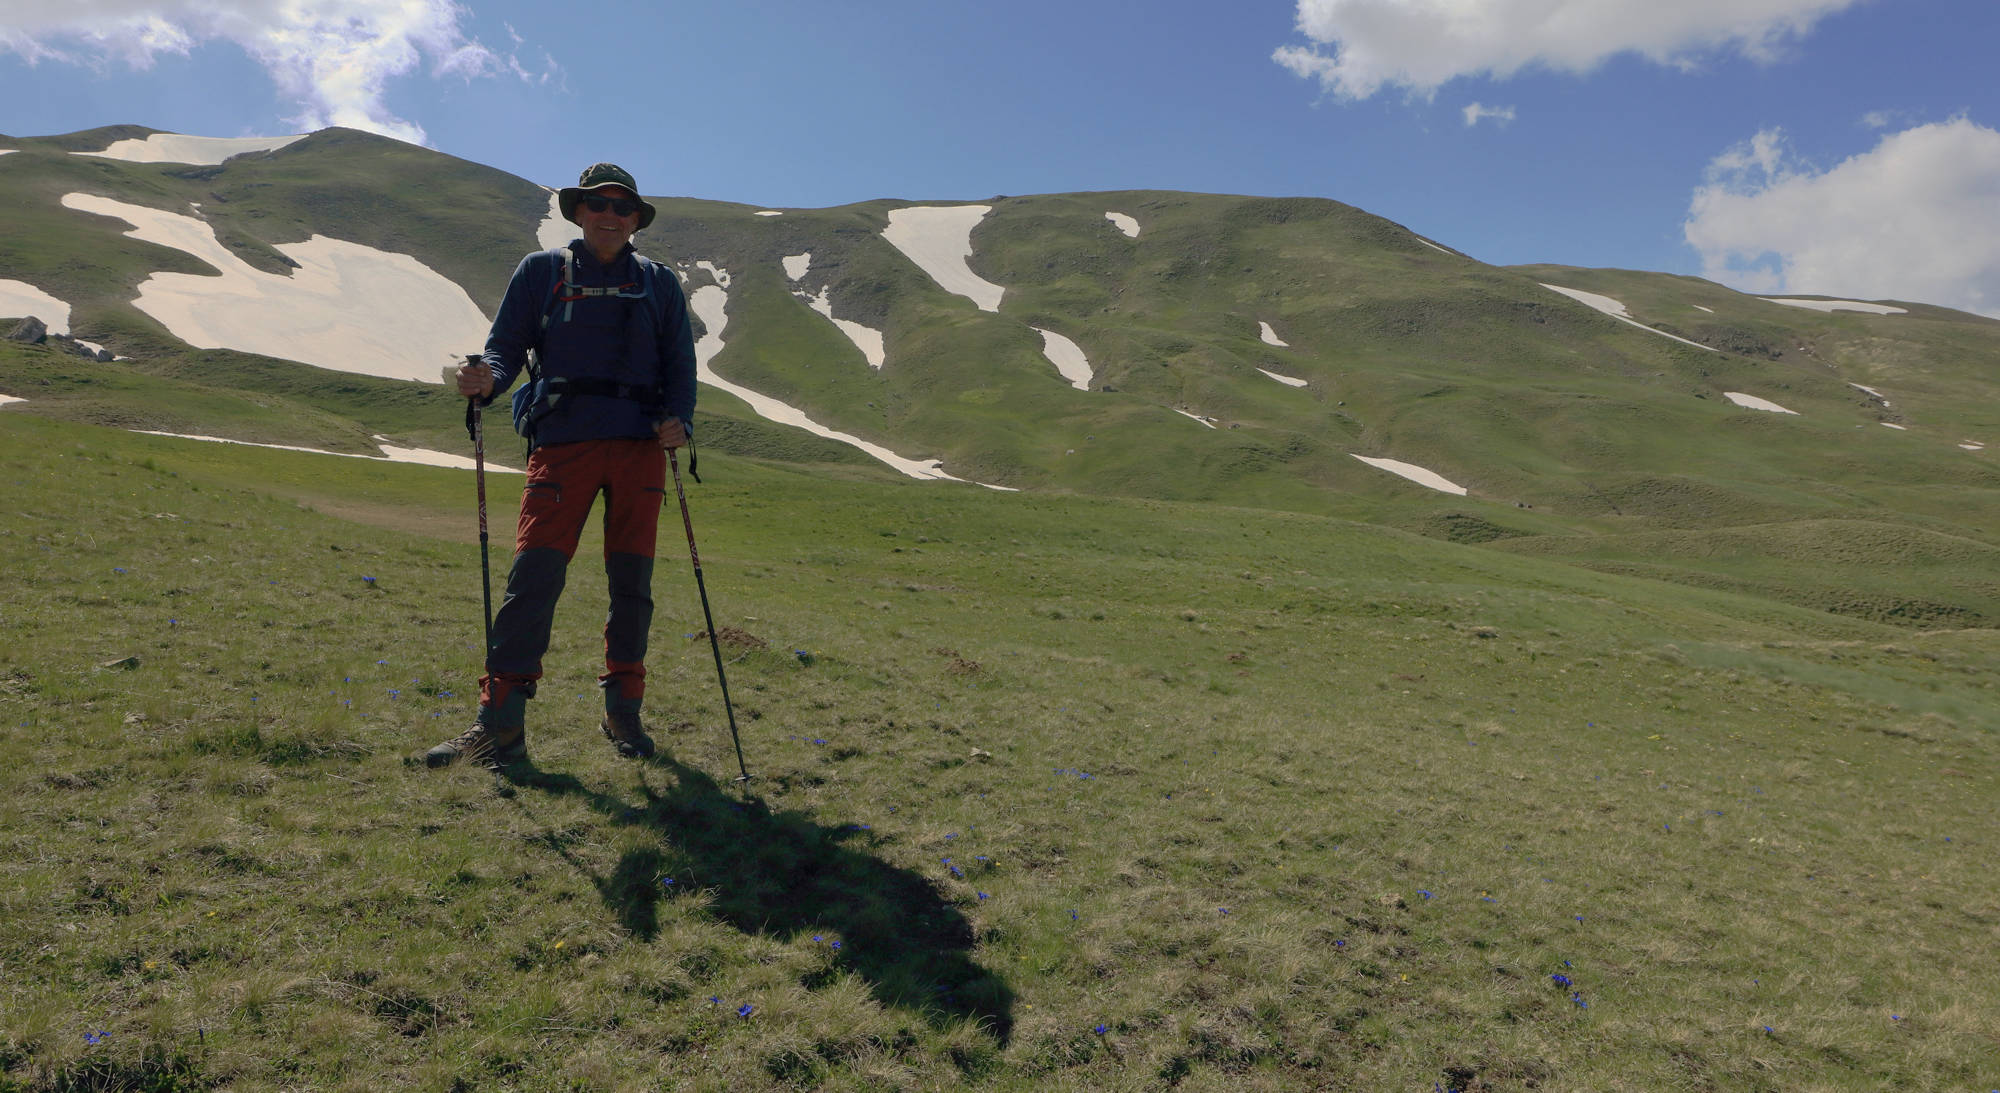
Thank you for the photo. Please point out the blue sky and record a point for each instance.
(1838, 147)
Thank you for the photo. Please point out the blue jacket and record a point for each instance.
(644, 343)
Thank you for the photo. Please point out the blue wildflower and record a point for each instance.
(98, 1036)
(745, 1010)
(982, 895)
(1101, 1029)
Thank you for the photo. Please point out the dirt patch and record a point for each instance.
(742, 639)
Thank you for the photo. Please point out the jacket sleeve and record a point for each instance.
(677, 363)
(517, 326)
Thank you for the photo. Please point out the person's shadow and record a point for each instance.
(782, 874)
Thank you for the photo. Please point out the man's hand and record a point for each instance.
(474, 381)
(671, 432)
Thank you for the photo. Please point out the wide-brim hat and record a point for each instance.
(596, 177)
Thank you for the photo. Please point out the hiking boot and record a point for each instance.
(489, 747)
(622, 728)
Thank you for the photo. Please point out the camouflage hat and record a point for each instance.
(596, 177)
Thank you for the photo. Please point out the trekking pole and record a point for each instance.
(475, 424)
(714, 643)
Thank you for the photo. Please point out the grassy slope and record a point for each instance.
(1578, 435)
(1276, 801)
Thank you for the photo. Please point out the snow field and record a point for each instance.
(938, 238)
(1617, 310)
(1270, 336)
(175, 148)
(1838, 305)
(345, 307)
(711, 304)
(390, 452)
(1752, 402)
(1416, 474)
(19, 299)
(1289, 381)
(1068, 358)
(865, 338)
(1124, 223)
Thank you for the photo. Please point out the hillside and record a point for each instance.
(1294, 354)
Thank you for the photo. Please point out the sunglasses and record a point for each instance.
(622, 206)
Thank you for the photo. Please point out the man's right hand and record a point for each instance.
(474, 381)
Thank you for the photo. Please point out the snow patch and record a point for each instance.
(1973, 447)
(1415, 474)
(8, 151)
(1434, 246)
(347, 307)
(769, 212)
(1208, 421)
(711, 304)
(1893, 425)
(390, 453)
(1126, 224)
(554, 231)
(19, 299)
(721, 275)
(8, 400)
(1752, 402)
(796, 265)
(1710, 310)
(1288, 381)
(1877, 394)
(1839, 305)
(866, 339)
(938, 238)
(1270, 336)
(1616, 310)
(1068, 358)
(175, 148)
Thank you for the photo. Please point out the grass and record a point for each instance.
(1090, 793)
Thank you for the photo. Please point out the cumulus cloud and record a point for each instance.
(1479, 111)
(333, 58)
(1915, 218)
(1359, 47)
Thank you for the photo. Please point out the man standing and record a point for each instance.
(604, 334)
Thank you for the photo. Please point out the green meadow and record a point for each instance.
(1049, 792)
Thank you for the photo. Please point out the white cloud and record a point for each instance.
(332, 58)
(1479, 111)
(1422, 44)
(1915, 218)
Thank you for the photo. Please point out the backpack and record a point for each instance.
(543, 395)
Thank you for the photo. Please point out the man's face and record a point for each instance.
(604, 231)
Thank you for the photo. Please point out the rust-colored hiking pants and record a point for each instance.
(563, 482)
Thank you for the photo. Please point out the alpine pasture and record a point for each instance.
(1194, 757)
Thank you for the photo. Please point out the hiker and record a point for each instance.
(603, 333)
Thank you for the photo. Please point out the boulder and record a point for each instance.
(30, 330)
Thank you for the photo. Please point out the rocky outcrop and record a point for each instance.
(30, 330)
